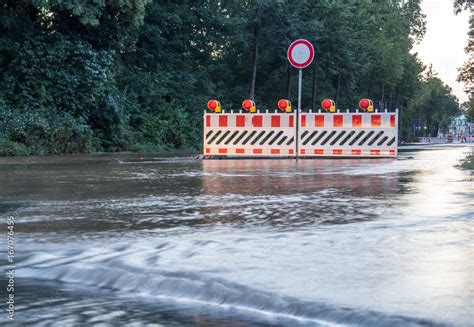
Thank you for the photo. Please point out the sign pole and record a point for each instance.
(300, 55)
(300, 84)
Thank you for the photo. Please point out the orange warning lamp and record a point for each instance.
(366, 105)
(249, 106)
(284, 105)
(214, 105)
(328, 105)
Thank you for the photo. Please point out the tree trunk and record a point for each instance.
(253, 77)
(396, 98)
(313, 90)
(383, 97)
(288, 83)
(369, 89)
(400, 129)
(390, 101)
(338, 88)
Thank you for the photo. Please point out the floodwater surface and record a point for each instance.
(149, 240)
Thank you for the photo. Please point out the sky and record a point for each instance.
(444, 42)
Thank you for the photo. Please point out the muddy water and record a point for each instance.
(142, 240)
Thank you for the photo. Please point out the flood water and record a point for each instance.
(149, 240)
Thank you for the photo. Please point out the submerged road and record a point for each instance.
(124, 239)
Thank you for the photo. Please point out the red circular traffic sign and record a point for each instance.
(301, 53)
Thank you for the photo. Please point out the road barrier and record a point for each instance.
(348, 134)
(321, 134)
(249, 135)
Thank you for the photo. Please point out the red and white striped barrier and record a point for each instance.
(249, 135)
(319, 135)
(348, 134)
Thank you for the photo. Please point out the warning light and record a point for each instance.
(249, 106)
(328, 105)
(214, 105)
(284, 105)
(366, 105)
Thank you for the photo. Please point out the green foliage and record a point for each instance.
(29, 132)
(435, 105)
(79, 76)
(466, 72)
(431, 109)
(10, 148)
(468, 162)
(468, 106)
(49, 71)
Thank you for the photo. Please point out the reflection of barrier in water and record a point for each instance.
(282, 177)
(321, 134)
(293, 193)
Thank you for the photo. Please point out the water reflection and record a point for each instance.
(289, 193)
(288, 177)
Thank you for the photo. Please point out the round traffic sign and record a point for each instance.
(301, 53)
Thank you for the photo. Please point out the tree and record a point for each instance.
(460, 5)
(466, 72)
(435, 105)
(468, 107)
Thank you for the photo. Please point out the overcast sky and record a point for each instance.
(444, 42)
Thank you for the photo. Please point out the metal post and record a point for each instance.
(300, 82)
